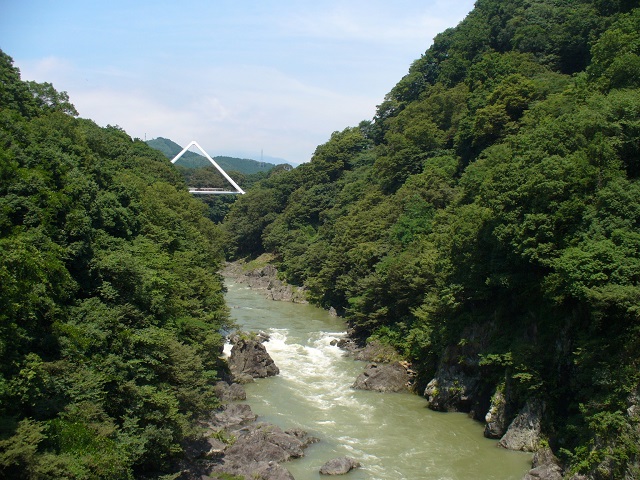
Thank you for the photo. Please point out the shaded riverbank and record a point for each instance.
(391, 435)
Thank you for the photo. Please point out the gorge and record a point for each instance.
(392, 435)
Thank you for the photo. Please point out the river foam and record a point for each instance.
(393, 436)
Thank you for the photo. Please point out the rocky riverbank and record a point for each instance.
(234, 443)
(456, 386)
(263, 277)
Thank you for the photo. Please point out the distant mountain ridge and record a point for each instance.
(194, 160)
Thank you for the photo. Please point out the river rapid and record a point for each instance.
(394, 435)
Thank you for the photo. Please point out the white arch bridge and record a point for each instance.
(210, 191)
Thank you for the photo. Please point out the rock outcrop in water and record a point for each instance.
(259, 449)
(339, 466)
(380, 377)
(384, 373)
(545, 466)
(238, 445)
(496, 418)
(457, 385)
(249, 359)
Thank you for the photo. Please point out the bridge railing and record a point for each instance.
(212, 191)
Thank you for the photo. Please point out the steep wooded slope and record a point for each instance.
(490, 209)
(110, 303)
(194, 160)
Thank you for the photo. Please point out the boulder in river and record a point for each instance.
(249, 358)
(391, 377)
(264, 442)
(231, 416)
(339, 466)
(237, 445)
(259, 448)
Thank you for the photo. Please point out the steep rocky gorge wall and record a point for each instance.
(460, 384)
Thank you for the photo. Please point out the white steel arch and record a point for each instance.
(210, 191)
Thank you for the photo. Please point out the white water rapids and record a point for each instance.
(393, 436)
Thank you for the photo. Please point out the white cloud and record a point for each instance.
(279, 114)
(294, 74)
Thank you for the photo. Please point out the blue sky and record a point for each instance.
(239, 77)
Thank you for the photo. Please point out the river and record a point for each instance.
(394, 435)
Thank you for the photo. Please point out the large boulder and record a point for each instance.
(237, 445)
(259, 448)
(392, 377)
(524, 431)
(452, 390)
(339, 466)
(545, 466)
(231, 416)
(264, 442)
(229, 392)
(249, 358)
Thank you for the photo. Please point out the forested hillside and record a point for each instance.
(191, 159)
(487, 220)
(110, 301)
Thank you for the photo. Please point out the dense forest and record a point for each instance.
(198, 172)
(191, 159)
(488, 218)
(485, 222)
(111, 305)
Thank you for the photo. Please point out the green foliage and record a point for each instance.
(616, 54)
(111, 304)
(193, 160)
(496, 189)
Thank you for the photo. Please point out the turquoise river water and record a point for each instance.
(394, 435)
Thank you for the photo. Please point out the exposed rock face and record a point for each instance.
(232, 416)
(496, 417)
(457, 385)
(264, 442)
(229, 393)
(239, 446)
(524, 431)
(339, 466)
(452, 391)
(258, 450)
(249, 358)
(545, 466)
(392, 377)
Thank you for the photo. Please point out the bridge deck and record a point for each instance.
(212, 191)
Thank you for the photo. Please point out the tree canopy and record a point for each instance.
(497, 186)
(110, 302)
